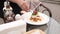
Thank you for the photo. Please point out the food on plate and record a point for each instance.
(35, 31)
(34, 12)
(35, 17)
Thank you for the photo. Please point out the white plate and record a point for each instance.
(45, 18)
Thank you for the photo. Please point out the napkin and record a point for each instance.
(16, 27)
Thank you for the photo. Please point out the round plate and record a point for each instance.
(44, 18)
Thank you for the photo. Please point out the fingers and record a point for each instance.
(24, 6)
(22, 12)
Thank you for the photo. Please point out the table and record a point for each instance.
(53, 27)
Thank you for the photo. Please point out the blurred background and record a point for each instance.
(53, 5)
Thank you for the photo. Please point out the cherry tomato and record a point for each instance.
(34, 12)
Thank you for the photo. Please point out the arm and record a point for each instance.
(21, 3)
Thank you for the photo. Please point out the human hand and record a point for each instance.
(21, 3)
(24, 6)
